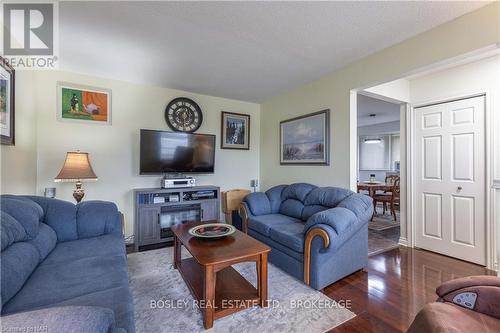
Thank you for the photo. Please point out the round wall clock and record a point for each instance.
(183, 115)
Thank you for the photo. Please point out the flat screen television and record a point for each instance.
(164, 152)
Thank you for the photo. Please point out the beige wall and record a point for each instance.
(114, 150)
(397, 90)
(476, 30)
(18, 162)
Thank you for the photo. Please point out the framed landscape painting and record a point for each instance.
(235, 131)
(305, 140)
(7, 111)
(83, 104)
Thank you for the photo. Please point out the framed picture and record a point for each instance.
(7, 97)
(305, 140)
(235, 131)
(84, 104)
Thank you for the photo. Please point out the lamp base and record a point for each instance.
(78, 193)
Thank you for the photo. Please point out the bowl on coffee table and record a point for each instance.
(212, 230)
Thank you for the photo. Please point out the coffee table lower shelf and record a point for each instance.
(232, 291)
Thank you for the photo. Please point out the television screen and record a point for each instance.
(171, 152)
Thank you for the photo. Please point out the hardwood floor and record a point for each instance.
(387, 295)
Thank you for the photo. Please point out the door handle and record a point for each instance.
(459, 188)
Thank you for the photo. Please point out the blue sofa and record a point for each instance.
(63, 266)
(317, 234)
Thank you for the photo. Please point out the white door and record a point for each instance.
(449, 167)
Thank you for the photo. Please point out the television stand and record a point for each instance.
(157, 209)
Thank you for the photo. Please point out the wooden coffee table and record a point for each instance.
(219, 288)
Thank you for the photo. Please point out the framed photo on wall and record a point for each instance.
(84, 104)
(7, 97)
(235, 131)
(305, 140)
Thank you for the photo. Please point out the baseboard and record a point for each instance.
(403, 241)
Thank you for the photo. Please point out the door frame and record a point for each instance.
(404, 170)
(490, 232)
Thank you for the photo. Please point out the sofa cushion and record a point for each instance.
(274, 196)
(45, 241)
(107, 245)
(258, 203)
(11, 231)
(17, 262)
(117, 299)
(309, 211)
(327, 196)
(292, 207)
(276, 246)
(82, 319)
(59, 215)
(290, 235)
(263, 223)
(54, 283)
(297, 191)
(96, 218)
(24, 211)
(293, 197)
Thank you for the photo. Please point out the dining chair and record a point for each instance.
(392, 199)
(390, 179)
(231, 201)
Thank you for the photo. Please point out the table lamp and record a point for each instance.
(75, 169)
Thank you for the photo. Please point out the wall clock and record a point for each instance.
(183, 115)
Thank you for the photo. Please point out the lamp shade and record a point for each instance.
(76, 167)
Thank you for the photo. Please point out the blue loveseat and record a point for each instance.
(63, 266)
(317, 234)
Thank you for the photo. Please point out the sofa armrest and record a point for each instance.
(342, 224)
(258, 203)
(97, 218)
(312, 233)
(82, 319)
(335, 227)
(361, 205)
(485, 288)
(245, 213)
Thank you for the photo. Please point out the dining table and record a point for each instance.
(373, 187)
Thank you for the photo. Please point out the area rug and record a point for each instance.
(163, 303)
(384, 221)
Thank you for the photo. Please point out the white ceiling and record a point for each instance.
(243, 50)
(385, 112)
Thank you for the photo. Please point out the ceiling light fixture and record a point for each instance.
(373, 140)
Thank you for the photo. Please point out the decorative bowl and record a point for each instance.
(212, 230)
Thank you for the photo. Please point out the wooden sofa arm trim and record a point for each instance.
(307, 249)
(244, 218)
